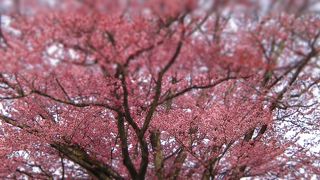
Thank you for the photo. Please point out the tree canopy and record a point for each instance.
(159, 89)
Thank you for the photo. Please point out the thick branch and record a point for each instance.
(73, 103)
(196, 87)
(126, 100)
(158, 155)
(75, 154)
(79, 156)
(156, 98)
(295, 76)
(142, 141)
(124, 147)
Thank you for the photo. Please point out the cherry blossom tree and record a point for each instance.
(159, 89)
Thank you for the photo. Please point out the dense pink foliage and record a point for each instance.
(166, 89)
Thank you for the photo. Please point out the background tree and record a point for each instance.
(162, 89)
